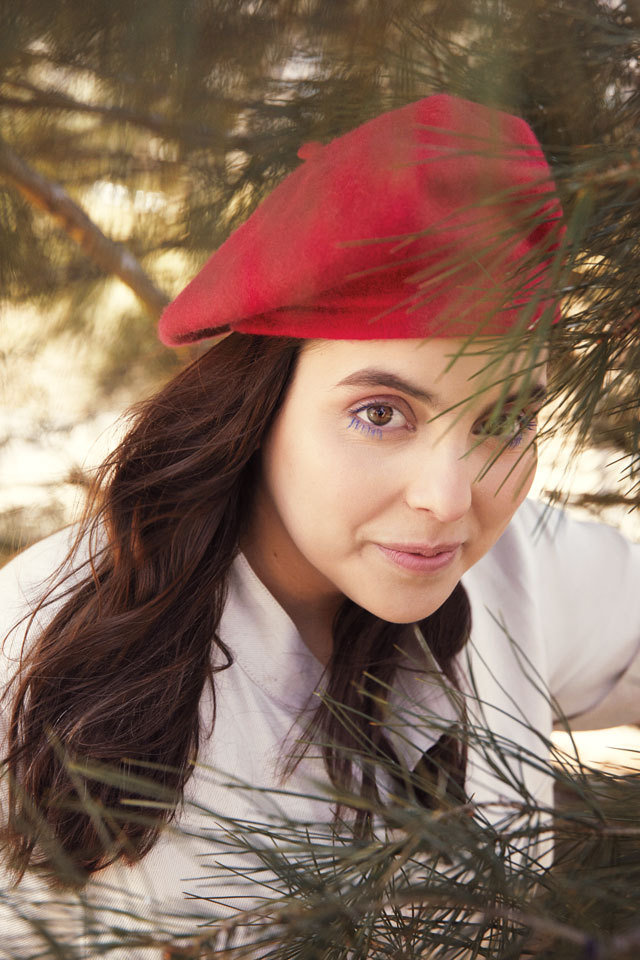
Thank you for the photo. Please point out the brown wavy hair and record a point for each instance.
(113, 681)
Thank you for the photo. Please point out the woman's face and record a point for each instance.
(383, 478)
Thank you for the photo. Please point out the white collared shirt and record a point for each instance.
(556, 627)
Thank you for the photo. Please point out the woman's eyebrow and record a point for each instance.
(373, 377)
(538, 394)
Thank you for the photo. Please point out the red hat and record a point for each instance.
(436, 219)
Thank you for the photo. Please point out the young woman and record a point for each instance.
(330, 501)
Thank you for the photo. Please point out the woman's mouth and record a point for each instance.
(423, 558)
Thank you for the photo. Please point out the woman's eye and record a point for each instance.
(380, 415)
(371, 418)
(510, 431)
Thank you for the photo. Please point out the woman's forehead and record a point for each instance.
(425, 365)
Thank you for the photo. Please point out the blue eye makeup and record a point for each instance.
(363, 427)
(527, 424)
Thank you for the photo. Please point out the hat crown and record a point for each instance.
(426, 220)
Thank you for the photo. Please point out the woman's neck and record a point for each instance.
(311, 613)
(304, 594)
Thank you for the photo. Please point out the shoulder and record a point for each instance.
(572, 571)
(27, 575)
(43, 570)
(545, 541)
(567, 590)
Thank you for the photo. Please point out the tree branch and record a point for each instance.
(166, 127)
(111, 257)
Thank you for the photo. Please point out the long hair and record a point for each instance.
(114, 679)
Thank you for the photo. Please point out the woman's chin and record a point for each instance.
(404, 609)
(404, 617)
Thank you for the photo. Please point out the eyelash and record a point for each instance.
(524, 423)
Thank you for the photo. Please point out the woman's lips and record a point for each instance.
(422, 558)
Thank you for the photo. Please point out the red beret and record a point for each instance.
(436, 219)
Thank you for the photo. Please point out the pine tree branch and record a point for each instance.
(40, 99)
(110, 256)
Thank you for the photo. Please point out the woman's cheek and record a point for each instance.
(518, 472)
(356, 478)
(352, 467)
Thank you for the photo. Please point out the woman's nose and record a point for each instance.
(440, 481)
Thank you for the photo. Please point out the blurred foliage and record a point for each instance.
(169, 120)
(135, 136)
(455, 883)
(164, 123)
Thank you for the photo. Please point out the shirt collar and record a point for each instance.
(265, 642)
(266, 645)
